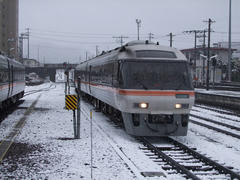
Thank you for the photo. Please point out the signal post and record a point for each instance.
(72, 102)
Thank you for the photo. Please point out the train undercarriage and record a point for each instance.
(6, 103)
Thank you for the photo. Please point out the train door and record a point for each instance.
(115, 74)
(12, 79)
(9, 79)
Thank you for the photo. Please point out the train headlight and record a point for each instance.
(143, 105)
(178, 106)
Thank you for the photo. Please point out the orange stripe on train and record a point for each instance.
(141, 92)
(153, 93)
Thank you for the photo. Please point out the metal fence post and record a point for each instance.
(78, 107)
(91, 143)
(74, 124)
(65, 88)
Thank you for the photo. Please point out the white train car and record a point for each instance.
(148, 85)
(12, 81)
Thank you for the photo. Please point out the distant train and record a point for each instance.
(149, 86)
(12, 81)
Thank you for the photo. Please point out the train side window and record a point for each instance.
(115, 75)
(107, 73)
(120, 77)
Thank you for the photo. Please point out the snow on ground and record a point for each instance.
(66, 158)
(50, 152)
(7, 125)
(217, 119)
(232, 119)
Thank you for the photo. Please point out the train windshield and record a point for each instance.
(152, 75)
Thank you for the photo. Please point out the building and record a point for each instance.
(217, 73)
(9, 27)
(31, 63)
(234, 45)
(54, 72)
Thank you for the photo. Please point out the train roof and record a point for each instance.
(5, 59)
(141, 50)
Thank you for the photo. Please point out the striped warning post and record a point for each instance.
(71, 102)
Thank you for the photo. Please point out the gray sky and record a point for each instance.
(64, 30)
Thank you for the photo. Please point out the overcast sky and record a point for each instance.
(64, 30)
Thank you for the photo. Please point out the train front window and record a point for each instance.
(165, 75)
(155, 54)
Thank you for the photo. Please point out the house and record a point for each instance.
(217, 65)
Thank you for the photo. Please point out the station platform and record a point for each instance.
(37, 142)
(228, 99)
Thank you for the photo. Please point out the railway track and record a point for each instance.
(176, 158)
(224, 126)
(52, 86)
(215, 129)
(11, 108)
(220, 116)
(221, 111)
(216, 122)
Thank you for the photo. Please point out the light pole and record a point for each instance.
(138, 21)
(229, 42)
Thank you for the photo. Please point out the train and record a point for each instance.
(148, 87)
(12, 81)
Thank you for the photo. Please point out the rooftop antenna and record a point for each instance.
(138, 21)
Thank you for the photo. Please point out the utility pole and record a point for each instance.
(195, 49)
(230, 42)
(208, 51)
(171, 38)
(150, 36)
(28, 37)
(21, 47)
(120, 39)
(204, 53)
(86, 55)
(79, 59)
(138, 21)
(21, 38)
(97, 51)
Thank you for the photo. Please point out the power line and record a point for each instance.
(222, 32)
(81, 33)
(74, 42)
(119, 39)
(55, 47)
(69, 36)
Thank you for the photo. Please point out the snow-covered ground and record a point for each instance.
(46, 148)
